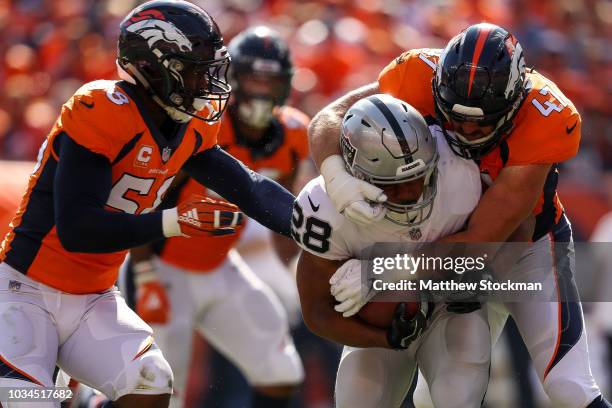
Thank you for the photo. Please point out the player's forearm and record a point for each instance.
(507, 204)
(324, 128)
(95, 230)
(259, 197)
(312, 277)
(330, 325)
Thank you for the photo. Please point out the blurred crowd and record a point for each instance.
(50, 47)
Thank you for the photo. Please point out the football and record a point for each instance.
(380, 314)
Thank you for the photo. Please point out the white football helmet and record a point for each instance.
(386, 141)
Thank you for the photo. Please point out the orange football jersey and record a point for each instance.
(104, 117)
(277, 158)
(546, 127)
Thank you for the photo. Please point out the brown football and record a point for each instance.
(380, 314)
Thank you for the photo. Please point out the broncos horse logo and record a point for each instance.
(154, 30)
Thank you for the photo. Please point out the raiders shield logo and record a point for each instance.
(348, 150)
(415, 234)
(166, 152)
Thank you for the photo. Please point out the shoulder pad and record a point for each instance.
(100, 117)
(408, 77)
(547, 126)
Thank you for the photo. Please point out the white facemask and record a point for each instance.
(256, 113)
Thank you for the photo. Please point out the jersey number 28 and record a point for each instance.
(314, 235)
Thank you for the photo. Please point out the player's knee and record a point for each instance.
(150, 374)
(17, 331)
(570, 391)
(277, 361)
(282, 367)
(474, 348)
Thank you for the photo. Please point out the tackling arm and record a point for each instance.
(324, 128)
(260, 198)
(313, 275)
(357, 200)
(505, 205)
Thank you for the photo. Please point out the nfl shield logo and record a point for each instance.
(166, 152)
(14, 285)
(415, 234)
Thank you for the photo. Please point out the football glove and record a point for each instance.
(403, 330)
(358, 200)
(152, 303)
(201, 216)
(347, 289)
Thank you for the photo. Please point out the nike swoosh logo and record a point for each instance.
(570, 129)
(87, 105)
(315, 208)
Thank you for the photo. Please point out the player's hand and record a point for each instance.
(346, 288)
(403, 330)
(152, 303)
(358, 200)
(202, 216)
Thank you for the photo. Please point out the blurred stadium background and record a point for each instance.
(50, 47)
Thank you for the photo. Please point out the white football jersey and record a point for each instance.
(320, 229)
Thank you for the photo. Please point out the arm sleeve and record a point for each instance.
(81, 187)
(257, 196)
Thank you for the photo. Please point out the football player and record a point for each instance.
(209, 287)
(101, 172)
(517, 125)
(431, 193)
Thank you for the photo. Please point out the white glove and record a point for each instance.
(346, 288)
(358, 200)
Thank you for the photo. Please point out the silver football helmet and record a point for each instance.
(386, 141)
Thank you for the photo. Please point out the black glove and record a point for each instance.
(403, 330)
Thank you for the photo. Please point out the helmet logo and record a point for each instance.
(348, 151)
(415, 234)
(154, 30)
(517, 66)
